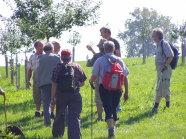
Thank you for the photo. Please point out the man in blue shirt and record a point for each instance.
(110, 99)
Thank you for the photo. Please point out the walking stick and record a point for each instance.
(4, 108)
(91, 97)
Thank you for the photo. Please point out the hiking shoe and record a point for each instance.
(118, 108)
(99, 119)
(154, 110)
(111, 132)
(37, 114)
(52, 116)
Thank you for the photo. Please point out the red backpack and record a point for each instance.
(113, 79)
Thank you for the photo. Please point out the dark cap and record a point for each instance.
(101, 42)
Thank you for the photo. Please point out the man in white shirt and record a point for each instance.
(32, 66)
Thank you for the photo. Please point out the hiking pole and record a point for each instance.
(4, 107)
(155, 81)
(91, 97)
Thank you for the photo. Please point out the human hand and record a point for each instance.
(53, 102)
(29, 84)
(89, 48)
(2, 92)
(163, 67)
(126, 96)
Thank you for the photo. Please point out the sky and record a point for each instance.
(113, 13)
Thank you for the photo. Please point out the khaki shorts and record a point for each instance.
(164, 86)
(36, 92)
(97, 95)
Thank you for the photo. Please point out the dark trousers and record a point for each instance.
(74, 103)
(46, 98)
(110, 100)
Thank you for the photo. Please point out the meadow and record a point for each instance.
(136, 121)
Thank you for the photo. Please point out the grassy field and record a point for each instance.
(135, 120)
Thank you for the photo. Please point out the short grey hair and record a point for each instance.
(48, 47)
(109, 46)
(158, 32)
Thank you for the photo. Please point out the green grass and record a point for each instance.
(135, 120)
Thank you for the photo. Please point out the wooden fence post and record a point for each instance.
(6, 65)
(12, 70)
(26, 74)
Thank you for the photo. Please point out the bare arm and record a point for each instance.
(54, 90)
(93, 78)
(169, 60)
(91, 49)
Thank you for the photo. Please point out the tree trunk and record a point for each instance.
(18, 76)
(12, 70)
(26, 72)
(6, 65)
(183, 52)
(144, 53)
(73, 52)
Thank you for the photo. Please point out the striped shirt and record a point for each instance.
(162, 54)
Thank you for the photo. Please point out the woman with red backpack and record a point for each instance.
(112, 74)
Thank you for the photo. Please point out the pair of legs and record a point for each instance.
(98, 102)
(37, 97)
(110, 100)
(46, 99)
(74, 103)
(163, 86)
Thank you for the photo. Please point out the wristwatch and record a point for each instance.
(165, 65)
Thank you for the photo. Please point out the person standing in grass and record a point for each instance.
(164, 70)
(67, 79)
(110, 99)
(90, 63)
(32, 66)
(47, 63)
(57, 48)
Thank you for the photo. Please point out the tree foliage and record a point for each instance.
(41, 19)
(137, 36)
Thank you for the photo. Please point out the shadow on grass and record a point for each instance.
(23, 106)
(138, 118)
(86, 121)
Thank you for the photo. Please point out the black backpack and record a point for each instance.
(66, 80)
(174, 61)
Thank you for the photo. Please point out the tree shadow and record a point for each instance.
(86, 121)
(133, 120)
(23, 106)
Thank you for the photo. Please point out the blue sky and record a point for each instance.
(114, 13)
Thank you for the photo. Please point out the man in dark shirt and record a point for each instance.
(106, 34)
(63, 98)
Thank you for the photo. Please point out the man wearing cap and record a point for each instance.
(32, 66)
(67, 79)
(47, 62)
(90, 63)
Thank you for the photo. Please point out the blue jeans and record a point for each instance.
(110, 100)
(46, 98)
(73, 101)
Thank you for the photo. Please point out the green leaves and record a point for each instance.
(139, 26)
(41, 19)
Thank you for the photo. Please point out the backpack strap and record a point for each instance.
(110, 60)
(163, 52)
